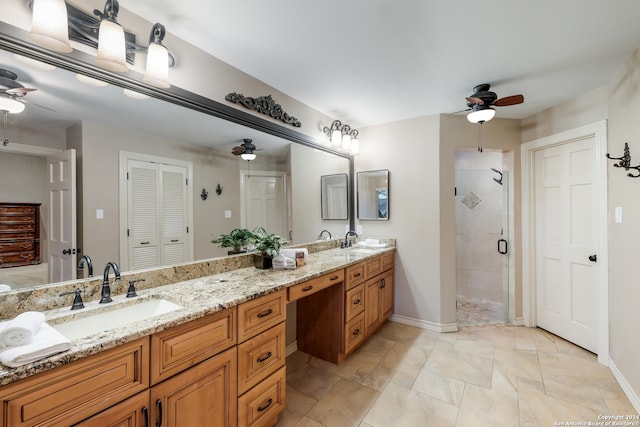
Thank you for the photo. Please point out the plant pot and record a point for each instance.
(262, 261)
(234, 252)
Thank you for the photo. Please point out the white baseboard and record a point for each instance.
(423, 324)
(626, 387)
(291, 348)
(519, 321)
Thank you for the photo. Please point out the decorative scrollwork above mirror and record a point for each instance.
(373, 195)
(265, 105)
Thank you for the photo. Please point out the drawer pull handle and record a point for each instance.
(159, 407)
(144, 243)
(145, 415)
(383, 284)
(334, 278)
(174, 240)
(265, 357)
(356, 302)
(307, 289)
(358, 274)
(264, 408)
(265, 313)
(356, 332)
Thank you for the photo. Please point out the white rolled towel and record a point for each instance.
(46, 342)
(21, 329)
(4, 288)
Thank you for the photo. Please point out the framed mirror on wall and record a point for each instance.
(334, 196)
(373, 195)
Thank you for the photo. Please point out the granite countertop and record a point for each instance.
(197, 297)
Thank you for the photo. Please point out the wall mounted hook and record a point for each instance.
(204, 194)
(218, 189)
(625, 162)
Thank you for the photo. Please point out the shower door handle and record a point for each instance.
(503, 246)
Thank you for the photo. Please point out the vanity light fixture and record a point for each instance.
(112, 53)
(342, 137)
(54, 23)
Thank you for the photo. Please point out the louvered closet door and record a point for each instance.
(157, 214)
(174, 214)
(142, 215)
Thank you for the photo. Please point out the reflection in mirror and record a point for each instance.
(101, 124)
(373, 195)
(334, 196)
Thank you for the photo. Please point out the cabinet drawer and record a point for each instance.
(17, 226)
(17, 246)
(71, 393)
(176, 349)
(388, 260)
(355, 274)
(129, 413)
(17, 210)
(354, 302)
(260, 406)
(374, 266)
(354, 333)
(260, 314)
(260, 356)
(309, 287)
(23, 257)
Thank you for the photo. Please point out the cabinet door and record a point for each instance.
(204, 395)
(371, 304)
(133, 412)
(386, 294)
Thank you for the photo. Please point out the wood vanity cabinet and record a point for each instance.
(378, 289)
(261, 360)
(71, 393)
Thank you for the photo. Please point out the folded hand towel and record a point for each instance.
(4, 288)
(46, 342)
(21, 329)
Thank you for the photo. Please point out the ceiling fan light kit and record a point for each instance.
(481, 114)
(54, 23)
(482, 102)
(245, 150)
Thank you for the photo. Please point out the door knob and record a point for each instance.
(593, 258)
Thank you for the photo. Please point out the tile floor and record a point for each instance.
(26, 276)
(496, 375)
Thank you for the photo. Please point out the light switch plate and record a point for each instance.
(618, 214)
(99, 213)
(227, 214)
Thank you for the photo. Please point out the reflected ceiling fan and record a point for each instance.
(482, 102)
(245, 150)
(12, 92)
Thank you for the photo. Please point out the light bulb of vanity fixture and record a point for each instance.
(157, 72)
(355, 146)
(111, 42)
(49, 27)
(10, 105)
(346, 142)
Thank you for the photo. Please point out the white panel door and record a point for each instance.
(265, 204)
(61, 175)
(565, 224)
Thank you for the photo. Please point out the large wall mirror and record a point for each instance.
(101, 123)
(334, 194)
(373, 195)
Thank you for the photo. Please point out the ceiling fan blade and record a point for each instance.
(460, 111)
(509, 100)
(237, 150)
(473, 100)
(19, 91)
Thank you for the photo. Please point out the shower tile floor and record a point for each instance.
(474, 311)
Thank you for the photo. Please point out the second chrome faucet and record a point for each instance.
(106, 289)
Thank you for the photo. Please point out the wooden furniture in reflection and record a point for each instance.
(19, 234)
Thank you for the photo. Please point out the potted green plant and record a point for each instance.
(268, 246)
(236, 239)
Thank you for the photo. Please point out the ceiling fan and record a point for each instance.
(12, 92)
(482, 102)
(245, 150)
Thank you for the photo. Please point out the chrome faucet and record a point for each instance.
(324, 231)
(347, 242)
(81, 262)
(106, 290)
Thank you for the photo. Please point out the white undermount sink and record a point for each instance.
(114, 318)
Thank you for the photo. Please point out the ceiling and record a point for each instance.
(374, 61)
